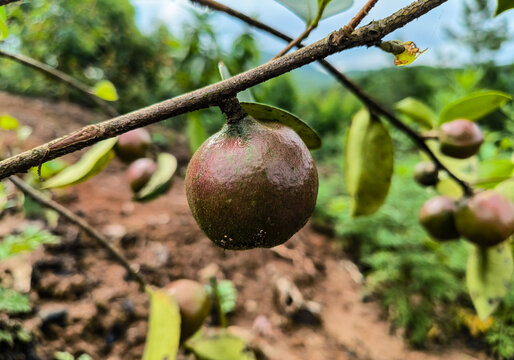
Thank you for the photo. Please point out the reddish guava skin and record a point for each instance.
(460, 138)
(193, 302)
(132, 145)
(139, 172)
(437, 216)
(252, 185)
(486, 219)
(426, 173)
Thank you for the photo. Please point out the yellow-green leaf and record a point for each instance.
(503, 5)
(474, 106)
(4, 31)
(90, 164)
(161, 180)
(493, 172)
(369, 158)
(105, 89)
(506, 188)
(163, 336)
(417, 111)
(267, 113)
(488, 277)
(449, 187)
(8, 122)
(219, 346)
(196, 132)
(410, 54)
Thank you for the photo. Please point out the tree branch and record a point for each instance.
(418, 139)
(82, 224)
(59, 75)
(212, 95)
(5, 2)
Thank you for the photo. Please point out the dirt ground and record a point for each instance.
(83, 301)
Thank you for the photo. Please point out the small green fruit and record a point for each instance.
(132, 145)
(426, 173)
(460, 138)
(194, 303)
(486, 219)
(139, 172)
(437, 216)
(252, 185)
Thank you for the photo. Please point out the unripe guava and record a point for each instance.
(252, 185)
(139, 172)
(486, 219)
(194, 303)
(426, 173)
(437, 216)
(132, 145)
(460, 138)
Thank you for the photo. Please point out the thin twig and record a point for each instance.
(82, 224)
(212, 95)
(419, 140)
(360, 16)
(295, 42)
(59, 75)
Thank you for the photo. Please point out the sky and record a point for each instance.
(426, 32)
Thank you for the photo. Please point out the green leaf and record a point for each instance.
(463, 168)
(6, 336)
(161, 180)
(369, 158)
(503, 5)
(266, 113)
(63, 355)
(4, 31)
(162, 339)
(474, 106)
(492, 172)
(449, 187)
(30, 239)
(488, 277)
(12, 302)
(227, 295)
(245, 95)
(219, 346)
(8, 122)
(105, 89)
(196, 132)
(308, 10)
(90, 164)
(417, 111)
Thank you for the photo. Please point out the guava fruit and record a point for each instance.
(139, 172)
(194, 304)
(426, 173)
(252, 185)
(437, 216)
(460, 138)
(486, 218)
(132, 145)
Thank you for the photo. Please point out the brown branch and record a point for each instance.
(82, 224)
(213, 94)
(360, 16)
(418, 139)
(5, 2)
(295, 42)
(59, 75)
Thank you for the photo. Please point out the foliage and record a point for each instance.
(12, 302)
(30, 239)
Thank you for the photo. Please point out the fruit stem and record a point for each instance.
(232, 110)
